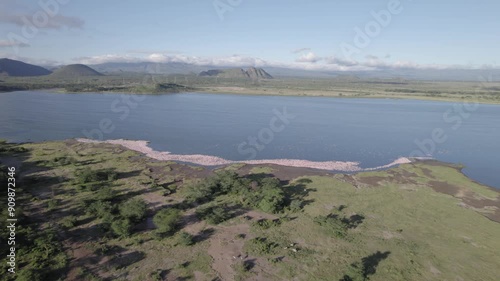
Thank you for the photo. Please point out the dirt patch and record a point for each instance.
(349, 179)
(226, 250)
(481, 203)
(468, 199)
(427, 173)
(255, 216)
(444, 187)
(402, 177)
(495, 216)
(434, 270)
(371, 181)
(390, 235)
(485, 204)
(285, 173)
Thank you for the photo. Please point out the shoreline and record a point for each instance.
(143, 147)
(210, 91)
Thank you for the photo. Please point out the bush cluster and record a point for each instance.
(265, 194)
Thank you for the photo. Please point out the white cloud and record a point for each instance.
(147, 51)
(107, 58)
(341, 61)
(167, 58)
(310, 57)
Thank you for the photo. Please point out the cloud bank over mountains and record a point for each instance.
(306, 60)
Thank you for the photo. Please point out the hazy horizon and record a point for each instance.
(346, 36)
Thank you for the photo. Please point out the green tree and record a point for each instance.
(29, 275)
(272, 200)
(100, 208)
(105, 194)
(122, 228)
(296, 205)
(167, 220)
(86, 175)
(134, 209)
(200, 192)
(186, 239)
(227, 181)
(333, 225)
(212, 214)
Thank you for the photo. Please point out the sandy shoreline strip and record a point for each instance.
(207, 160)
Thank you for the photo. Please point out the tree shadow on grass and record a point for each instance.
(371, 262)
(124, 260)
(353, 221)
(124, 175)
(367, 267)
(258, 177)
(203, 235)
(298, 191)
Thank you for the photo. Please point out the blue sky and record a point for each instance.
(301, 34)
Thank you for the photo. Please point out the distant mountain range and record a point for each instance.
(252, 73)
(75, 70)
(170, 68)
(16, 68)
(10, 67)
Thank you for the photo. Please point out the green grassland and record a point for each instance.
(346, 87)
(101, 212)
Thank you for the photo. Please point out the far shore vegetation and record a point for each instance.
(341, 87)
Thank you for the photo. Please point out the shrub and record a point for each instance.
(156, 275)
(134, 209)
(200, 192)
(225, 182)
(52, 204)
(87, 175)
(267, 223)
(111, 175)
(333, 225)
(272, 199)
(186, 239)
(167, 220)
(296, 205)
(228, 182)
(212, 214)
(121, 228)
(29, 275)
(100, 209)
(261, 246)
(69, 222)
(242, 267)
(356, 272)
(63, 161)
(105, 194)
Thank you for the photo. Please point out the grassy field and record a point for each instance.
(479, 91)
(83, 220)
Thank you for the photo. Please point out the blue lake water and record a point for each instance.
(373, 132)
